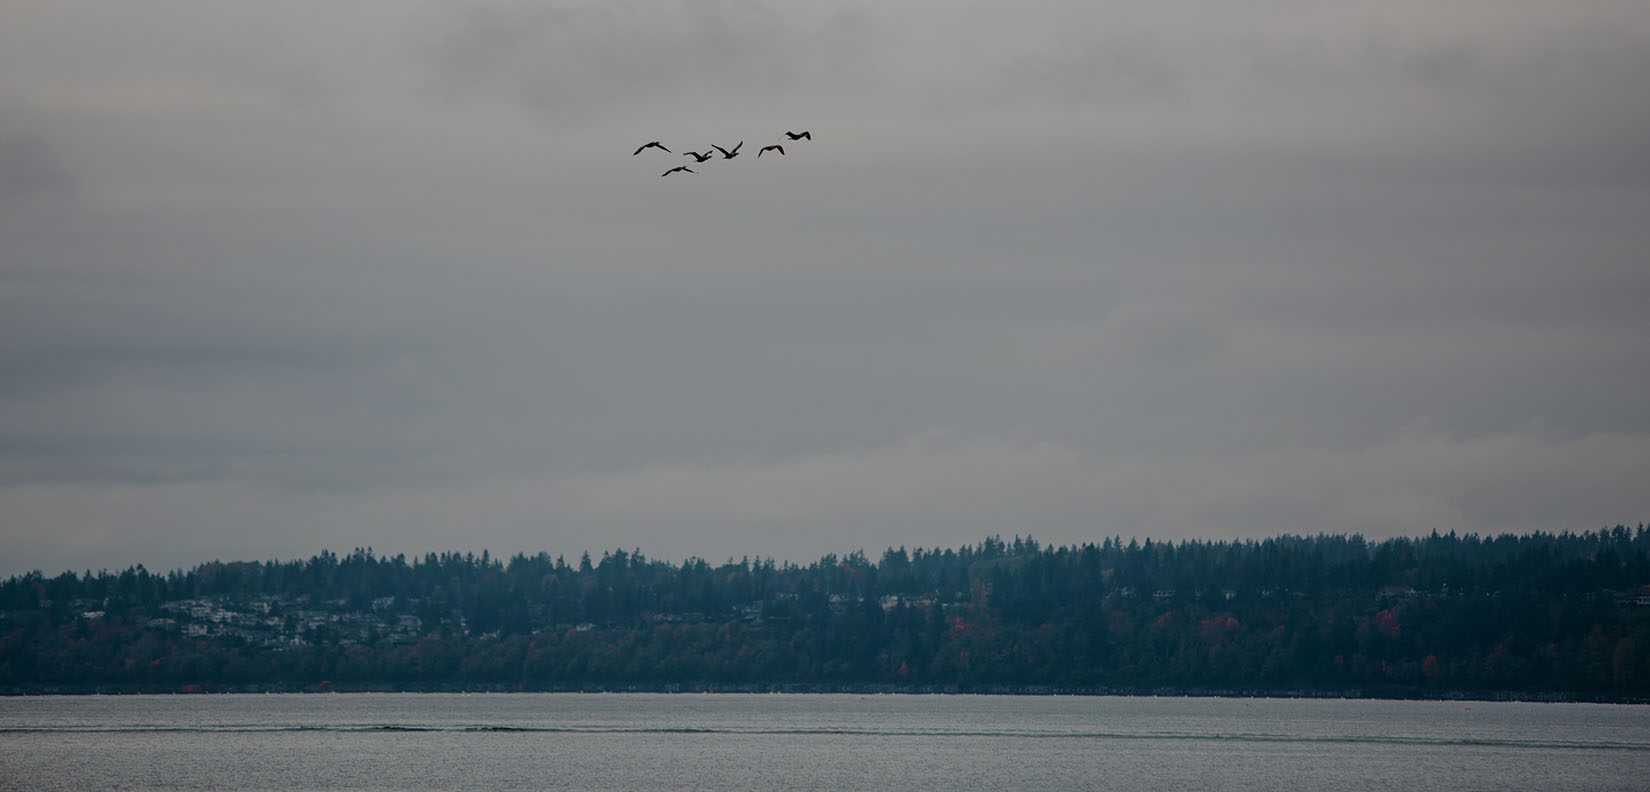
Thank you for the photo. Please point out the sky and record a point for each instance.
(279, 278)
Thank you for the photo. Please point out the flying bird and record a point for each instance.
(774, 147)
(697, 157)
(654, 144)
(796, 136)
(726, 154)
(675, 169)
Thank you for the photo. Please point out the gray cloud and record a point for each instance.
(30, 171)
(605, 64)
(1074, 270)
(923, 490)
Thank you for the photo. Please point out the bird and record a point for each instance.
(799, 135)
(726, 154)
(774, 147)
(675, 169)
(697, 157)
(654, 144)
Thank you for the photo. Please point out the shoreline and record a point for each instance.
(1372, 694)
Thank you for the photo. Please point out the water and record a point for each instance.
(790, 742)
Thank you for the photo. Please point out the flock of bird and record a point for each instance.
(726, 153)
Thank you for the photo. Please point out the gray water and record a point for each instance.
(812, 742)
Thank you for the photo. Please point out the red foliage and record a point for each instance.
(1218, 626)
(1387, 621)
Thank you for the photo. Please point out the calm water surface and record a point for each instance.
(812, 742)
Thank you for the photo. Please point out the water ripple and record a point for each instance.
(839, 731)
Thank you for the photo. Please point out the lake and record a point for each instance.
(812, 742)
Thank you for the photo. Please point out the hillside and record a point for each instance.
(1541, 615)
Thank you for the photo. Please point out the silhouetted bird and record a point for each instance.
(797, 136)
(697, 157)
(675, 169)
(654, 144)
(726, 154)
(774, 147)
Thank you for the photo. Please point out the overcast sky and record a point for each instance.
(284, 277)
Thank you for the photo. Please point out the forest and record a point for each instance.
(1563, 616)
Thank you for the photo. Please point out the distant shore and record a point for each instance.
(1543, 617)
(1385, 694)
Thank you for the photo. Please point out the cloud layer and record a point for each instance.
(295, 277)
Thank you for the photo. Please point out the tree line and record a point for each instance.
(1542, 614)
